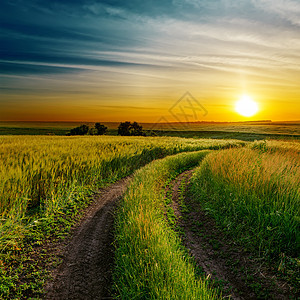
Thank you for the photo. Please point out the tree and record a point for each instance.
(124, 128)
(136, 129)
(81, 130)
(93, 131)
(127, 129)
(101, 129)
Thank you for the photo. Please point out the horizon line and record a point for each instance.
(175, 122)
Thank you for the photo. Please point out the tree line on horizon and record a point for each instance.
(124, 129)
(98, 129)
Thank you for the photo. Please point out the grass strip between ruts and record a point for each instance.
(151, 262)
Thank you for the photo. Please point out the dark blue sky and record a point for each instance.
(136, 53)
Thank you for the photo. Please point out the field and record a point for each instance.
(249, 190)
(44, 178)
(247, 131)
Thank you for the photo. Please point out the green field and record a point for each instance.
(42, 175)
(251, 189)
(44, 179)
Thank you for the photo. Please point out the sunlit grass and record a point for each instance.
(45, 183)
(41, 176)
(284, 146)
(255, 194)
(150, 261)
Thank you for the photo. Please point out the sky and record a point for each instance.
(147, 61)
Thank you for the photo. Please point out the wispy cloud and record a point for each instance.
(286, 9)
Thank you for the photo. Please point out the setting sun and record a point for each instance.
(246, 106)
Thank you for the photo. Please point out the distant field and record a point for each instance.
(35, 128)
(254, 127)
(242, 131)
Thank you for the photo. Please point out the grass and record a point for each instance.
(41, 175)
(46, 181)
(285, 146)
(254, 194)
(150, 260)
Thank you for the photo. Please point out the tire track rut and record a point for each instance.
(86, 269)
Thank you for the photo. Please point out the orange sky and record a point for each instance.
(144, 103)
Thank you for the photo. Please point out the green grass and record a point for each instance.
(150, 260)
(46, 181)
(254, 194)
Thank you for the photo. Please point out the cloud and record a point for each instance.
(286, 9)
(44, 64)
(13, 68)
(122, 107)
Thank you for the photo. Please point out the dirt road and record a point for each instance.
(85, 272)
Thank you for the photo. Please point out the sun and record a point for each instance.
(246, 107)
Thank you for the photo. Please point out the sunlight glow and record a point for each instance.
(246, 106)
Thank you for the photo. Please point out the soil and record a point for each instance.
(87, 256)
(239, 274)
